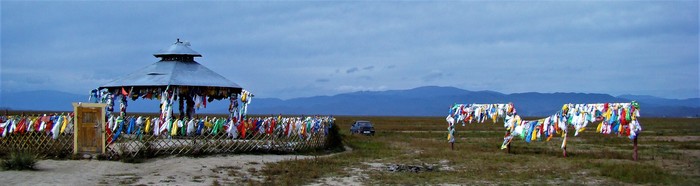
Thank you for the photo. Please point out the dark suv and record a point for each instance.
(362, 127)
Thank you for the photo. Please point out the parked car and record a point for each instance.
(362, 127)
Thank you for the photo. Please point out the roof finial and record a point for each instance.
(180, 47)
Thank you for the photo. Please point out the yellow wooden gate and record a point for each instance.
(89, 128)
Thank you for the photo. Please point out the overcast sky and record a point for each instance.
(299, 49)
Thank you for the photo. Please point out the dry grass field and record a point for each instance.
(669, 154)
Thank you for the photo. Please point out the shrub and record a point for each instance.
(20, 160)
(334, 141)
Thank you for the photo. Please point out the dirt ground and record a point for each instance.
(224, 170)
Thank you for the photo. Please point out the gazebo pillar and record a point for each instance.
(190, 106)
(181, 106)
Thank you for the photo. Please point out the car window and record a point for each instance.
(365, 124)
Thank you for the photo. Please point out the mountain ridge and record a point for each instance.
(419, 101)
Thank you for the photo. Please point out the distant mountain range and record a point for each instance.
(421, 101)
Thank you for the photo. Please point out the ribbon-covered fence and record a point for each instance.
(132, 136)
(613, 118)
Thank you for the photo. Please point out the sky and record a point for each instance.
(310, 48)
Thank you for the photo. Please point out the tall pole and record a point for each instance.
(564, 144)
(508, 148)
(635, 148)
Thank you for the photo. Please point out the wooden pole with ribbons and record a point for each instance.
(617, 119)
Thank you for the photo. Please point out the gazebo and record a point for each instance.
(176, 77)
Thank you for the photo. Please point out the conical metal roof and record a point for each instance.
(174, 72)
(178, 48)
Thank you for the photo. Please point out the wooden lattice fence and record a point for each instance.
(144, 144)
(150, 145)
(39, 143)
(45, 146)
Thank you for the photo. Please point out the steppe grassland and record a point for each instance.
(669, 153)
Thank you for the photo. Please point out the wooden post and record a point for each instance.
(565, 152)
(564, 145)
(508, 148)
(634, 156)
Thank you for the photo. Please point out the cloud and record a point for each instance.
(351, 88)
(357, 69)
(351, 70)
(433, 75)
(365, 78)
(552, 45)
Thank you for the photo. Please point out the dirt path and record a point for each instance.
(225, 170)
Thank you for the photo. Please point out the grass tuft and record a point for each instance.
(20, 160)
